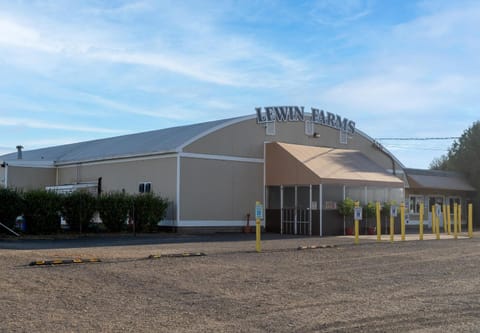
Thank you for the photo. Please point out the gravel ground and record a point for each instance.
(427, 286)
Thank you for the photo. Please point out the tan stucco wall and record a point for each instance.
(219, 190)
(28, 178)
(246, 139)
(161, 172)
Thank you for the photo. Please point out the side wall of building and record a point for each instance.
(29, 178)
(219, 193)
(126, 175)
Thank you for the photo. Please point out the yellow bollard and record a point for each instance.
(434, 220)
(379, 225)
(357, 229)
(392, 228)
(455, 224)
(437, 227)
(421, 221)
(449, 227)
(258, 230)
(444, 212)
(459, 219)
(402, 220)
(470, 222)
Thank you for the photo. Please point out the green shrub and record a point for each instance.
(42, 210)
(346, 207)
(149, 209)
(78, 209)
(113, 209)
(11, 205)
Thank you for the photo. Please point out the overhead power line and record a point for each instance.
(419, 139)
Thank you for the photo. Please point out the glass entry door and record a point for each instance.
(296, 214)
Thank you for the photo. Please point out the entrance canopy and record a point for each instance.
(290, 164)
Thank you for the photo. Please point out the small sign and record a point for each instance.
(394, 211)
(258, 210)
(358, 213)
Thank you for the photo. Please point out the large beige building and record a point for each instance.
(299, 164)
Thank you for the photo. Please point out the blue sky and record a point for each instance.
(80, 70)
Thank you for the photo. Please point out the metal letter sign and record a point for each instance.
(258, 210)
(358, 213)
(393, 211)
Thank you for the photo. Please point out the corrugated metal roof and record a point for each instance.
(138, 144)
(298, 164)
(437, 179)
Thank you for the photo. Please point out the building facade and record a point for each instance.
(299, 164)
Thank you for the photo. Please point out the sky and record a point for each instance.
(73, 71)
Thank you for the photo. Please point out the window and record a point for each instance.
(343, 137)
(145, 187)
(414, 205)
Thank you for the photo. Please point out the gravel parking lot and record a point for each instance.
(419, 286)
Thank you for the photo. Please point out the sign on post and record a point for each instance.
(358, 213)
(394, 211)
(258, 211)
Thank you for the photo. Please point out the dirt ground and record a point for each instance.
(414, 286)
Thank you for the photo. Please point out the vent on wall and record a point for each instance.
(270, 129)
(343, 137)
(308, 128)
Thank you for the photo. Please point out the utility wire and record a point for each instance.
(419, 139)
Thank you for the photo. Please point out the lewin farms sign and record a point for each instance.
(296, 113)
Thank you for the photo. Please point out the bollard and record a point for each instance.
(258, 246)
(470, 218)
(402, 220)
(379, 225)
(444, 212)
(437, 227)
(449, 227)
(455, 224)
(421, 221)
(459, 220)
(392, 228)
(434, 220)
(357, 229)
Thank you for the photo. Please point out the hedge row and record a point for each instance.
(42, 210)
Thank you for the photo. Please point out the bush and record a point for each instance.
(42, 210)
(78, 209)
(113, 209)
(11, 205)
(149, 209)
(346, 207)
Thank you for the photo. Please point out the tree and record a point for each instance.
(463, 156)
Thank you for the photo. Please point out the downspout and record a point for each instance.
(6, 175)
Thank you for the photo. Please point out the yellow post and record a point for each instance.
(258, 230)
(449, 227)
(421, 221)
(392, 226)
(357, 229)
(258, 246)
(379, 224)
(444, 212)
(459, 219)
(455, 224)
(402, 220)
(434, 220)
(470, 222)
(437, 228)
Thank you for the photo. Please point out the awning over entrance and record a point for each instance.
(290, 164)
(438, 180)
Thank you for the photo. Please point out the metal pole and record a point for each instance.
(421, 221)
(470, 224)
(379, 224)
(402, 220)
(356, 225)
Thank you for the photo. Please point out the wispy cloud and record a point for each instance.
(32, 123)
